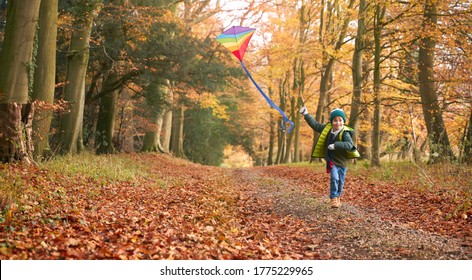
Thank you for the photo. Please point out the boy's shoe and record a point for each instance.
(334, 203)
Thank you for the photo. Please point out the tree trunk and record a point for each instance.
(44, 77)
(167, 121)
(297, 118)
(299, 78)
(177, 138)
(124, 134)
(74, 92)
(288, 153)
(467, 143)
(272, 124)
(379, 13)
(15, 67)
(357, 77)
(151, 142)
(106, 114)
(440, 149)
(282, 136)
(106, 123)
(13, 145)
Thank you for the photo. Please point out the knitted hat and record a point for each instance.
(337, 113)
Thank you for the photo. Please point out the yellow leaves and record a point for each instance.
(212, 102)
(8, 216)
(5, 250)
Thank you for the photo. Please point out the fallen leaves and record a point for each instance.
(201, 212)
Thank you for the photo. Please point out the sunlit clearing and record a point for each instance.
(236, 157)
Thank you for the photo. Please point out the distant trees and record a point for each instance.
(116, 76)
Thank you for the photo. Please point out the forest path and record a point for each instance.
(350, 232)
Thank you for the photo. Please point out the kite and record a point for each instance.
(236, 39)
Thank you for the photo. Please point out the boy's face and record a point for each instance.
(337, 123)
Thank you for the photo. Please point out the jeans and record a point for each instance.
(338, 175)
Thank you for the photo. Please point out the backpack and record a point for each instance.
(353, 153)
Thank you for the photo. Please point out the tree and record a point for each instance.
(15, 67)
(44, 77)
(440, 149)
(77, 62)
(357, 73)
(467, 154)
(378, 26)
(152, 141)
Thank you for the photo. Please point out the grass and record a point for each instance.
(106, 167)
(11, 187)
(424, 176)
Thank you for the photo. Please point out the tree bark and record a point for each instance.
(74, 92)
(13, 145)
(379, 13)
(44, 77)
(440, 149)
(357, 77)
(151, 142)
(272, 124)
(290, 137)
(106, 116)
(177, 138)
(167, 121)
(15, 67)
(467, 155)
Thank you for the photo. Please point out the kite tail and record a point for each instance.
(271, 103)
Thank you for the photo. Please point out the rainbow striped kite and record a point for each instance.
(236, 39)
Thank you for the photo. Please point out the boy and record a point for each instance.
(336, 147)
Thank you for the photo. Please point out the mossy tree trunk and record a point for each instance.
(15, 68)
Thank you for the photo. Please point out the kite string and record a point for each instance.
(271, 103)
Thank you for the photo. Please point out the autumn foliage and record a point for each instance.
(174, 209)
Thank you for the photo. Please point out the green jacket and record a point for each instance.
(343, 146)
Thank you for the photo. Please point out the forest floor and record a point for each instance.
(174, 209)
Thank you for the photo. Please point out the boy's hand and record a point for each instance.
(303, 110)
(331, 147)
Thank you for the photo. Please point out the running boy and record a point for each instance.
(336, 147)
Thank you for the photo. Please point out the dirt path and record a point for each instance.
(347, 233)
